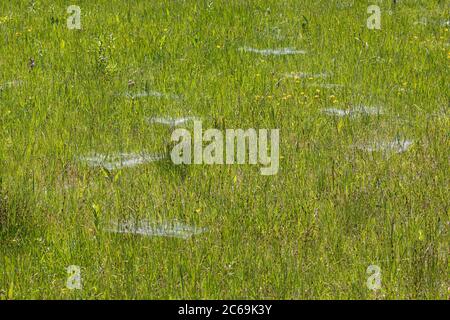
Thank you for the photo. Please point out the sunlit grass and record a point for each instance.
(310, 231)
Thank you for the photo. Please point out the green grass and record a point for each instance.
(308, 232)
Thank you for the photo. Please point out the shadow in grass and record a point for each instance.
(3, 207)
(172, 171)
(16, 212)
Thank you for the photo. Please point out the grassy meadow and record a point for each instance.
(308, 232)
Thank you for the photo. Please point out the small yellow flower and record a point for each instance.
(421, 235)
(4, 19)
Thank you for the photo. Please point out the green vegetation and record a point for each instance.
(311, 231)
